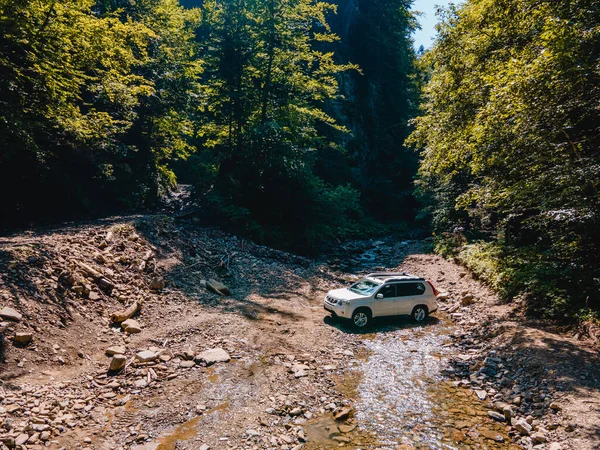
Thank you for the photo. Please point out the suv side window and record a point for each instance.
(409, 289)
(388, 291)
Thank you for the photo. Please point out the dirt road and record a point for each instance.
(283, 370)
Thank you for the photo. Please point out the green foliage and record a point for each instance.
(92, 101)
(508, 137)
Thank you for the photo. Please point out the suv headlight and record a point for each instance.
(344, 302)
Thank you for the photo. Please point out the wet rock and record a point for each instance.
(217, 287)
(23, 338)
(10, 314)
(523, 427)
(131, 326)
(212, 356)
(343, 413)
(492, 435)
(346, 428)
(117, 362)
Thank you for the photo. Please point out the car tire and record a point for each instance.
(419, 313)
(361, 318)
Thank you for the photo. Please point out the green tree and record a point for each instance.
(508, 138)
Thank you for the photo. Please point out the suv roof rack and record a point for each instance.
(393, 276)
(388, 274)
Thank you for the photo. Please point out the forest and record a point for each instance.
(302, 122)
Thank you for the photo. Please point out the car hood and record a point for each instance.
(344, 294)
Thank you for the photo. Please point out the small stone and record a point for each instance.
(555, 406)
(467, 299)
(21, 439)
(492, 435)
(343, 413)
(115, 350)
(187, 364)
(23, 338)
(555, 446)
(10, 314)
(346, 428)
(212, 356)
(539, 438)
(523, 427)
(507, 411)
(217, 287)
(146, 356)
(131, 326)
(117, 362)
(496, 416)
(204, 447)
(157, 284)
(93, 295)
(481, 394)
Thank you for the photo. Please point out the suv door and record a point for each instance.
(410, 294)
(388, 305)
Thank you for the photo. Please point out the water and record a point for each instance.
(403, 399)
(395, 397)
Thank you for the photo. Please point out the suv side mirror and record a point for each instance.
(379, 296)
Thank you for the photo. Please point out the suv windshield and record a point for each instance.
(364, 287)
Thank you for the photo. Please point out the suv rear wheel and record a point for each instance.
(361, 317)
(419, 313)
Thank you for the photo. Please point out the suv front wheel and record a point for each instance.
(419, 313)
(361, 317)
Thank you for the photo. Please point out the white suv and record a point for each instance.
(383, 294)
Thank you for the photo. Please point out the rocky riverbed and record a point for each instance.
(142, 333)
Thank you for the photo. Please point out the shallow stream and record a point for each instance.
(403, 400)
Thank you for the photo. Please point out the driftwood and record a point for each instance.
(90, 271)
(122, 316)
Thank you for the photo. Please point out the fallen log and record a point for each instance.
(122, 316)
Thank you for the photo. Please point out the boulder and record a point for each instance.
(217, 287)
(131, 326)
(117, 362)
(212, 356)
(10, 314)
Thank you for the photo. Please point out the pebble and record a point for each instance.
(23, 338)
(213, 356)
(117, 362)
(10, 314)
(131, 326)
